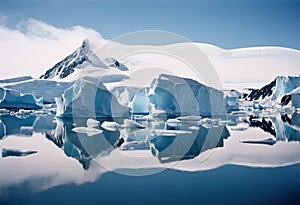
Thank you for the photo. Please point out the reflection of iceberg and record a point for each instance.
(12, 125)
(79, 145)
(284, 127)
(287, 129)
(186, 146)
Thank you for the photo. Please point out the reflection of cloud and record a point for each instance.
(48, 168)
(32, 46)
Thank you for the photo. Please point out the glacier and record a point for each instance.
(85, 99)
(182, 96)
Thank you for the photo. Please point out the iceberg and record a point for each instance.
(13, 99)
(88, 100)
(232, 100)
(181, 97)
(140, 102)
(41, 88)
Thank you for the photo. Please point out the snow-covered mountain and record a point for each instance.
(262, 93)
(280, 90)
(82, 57)
(265, 63)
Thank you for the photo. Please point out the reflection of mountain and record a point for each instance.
(284, 128)
(187, 146)
(265, 125)
(80, 146)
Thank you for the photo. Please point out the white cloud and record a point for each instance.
(34, 46)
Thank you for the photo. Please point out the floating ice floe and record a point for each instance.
(87, 130)
(111, 126)
(134, 145)
(92, 123)
(91, 129)
(16, 153)
(170, 132)
(191, 118)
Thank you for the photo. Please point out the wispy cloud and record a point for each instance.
(32, 46)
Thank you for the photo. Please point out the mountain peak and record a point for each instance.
(81, 57)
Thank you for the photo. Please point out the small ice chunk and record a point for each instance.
(87, 130)
(173, 121)
(110, 126)
(92, 123)
(191, 118)
(194, 128)
(134, 145)
(166, 132)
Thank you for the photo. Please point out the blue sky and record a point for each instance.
(228, 24)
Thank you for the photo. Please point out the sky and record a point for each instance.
(36, 34)
(224, 23)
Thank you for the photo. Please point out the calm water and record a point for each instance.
(236, 159)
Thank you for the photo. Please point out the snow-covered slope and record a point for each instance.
(253, 66)
(80, 58)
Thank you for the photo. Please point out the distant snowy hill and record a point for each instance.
(253, 66)
(79, 59)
